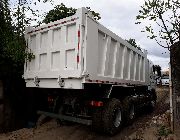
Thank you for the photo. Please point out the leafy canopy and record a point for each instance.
(164, 19)
(12, 43)
(61, 11)
(133, 43)
(157, 68)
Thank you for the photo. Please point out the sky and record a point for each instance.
(120, 16)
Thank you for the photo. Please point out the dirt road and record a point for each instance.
(52, 131)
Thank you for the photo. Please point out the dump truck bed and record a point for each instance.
(77, 50)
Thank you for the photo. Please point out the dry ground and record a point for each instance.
(144, 128)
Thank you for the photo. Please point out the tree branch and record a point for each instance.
(162, 20)
(161, 44)
(159, 25)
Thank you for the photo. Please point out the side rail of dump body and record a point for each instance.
(110, 59)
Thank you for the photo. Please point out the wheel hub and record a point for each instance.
(131, 113)
(118, 118)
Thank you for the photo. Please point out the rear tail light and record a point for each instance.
(96, 103)
(50, 99)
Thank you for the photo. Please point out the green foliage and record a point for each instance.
(61, 11)
(95, 15)
(157, 68)
(12, 45)
(164, 131)
(133, 43)
(164, 19)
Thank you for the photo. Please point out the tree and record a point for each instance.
(157, 68)
(133, 43)
(61, 11)
(164, 27)
(12, 44)
(12, 57)
(96, 16)
(165, 15)
(7, 39)
(12, 28)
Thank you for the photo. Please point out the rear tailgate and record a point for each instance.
(57, 51)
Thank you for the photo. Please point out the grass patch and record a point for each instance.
(164, 131)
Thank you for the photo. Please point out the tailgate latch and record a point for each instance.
(60, 81)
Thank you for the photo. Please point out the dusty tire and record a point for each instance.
(112, 117)
(131, 113)
(129, 110)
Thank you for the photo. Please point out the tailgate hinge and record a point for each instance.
(36, 81)
(60, 81)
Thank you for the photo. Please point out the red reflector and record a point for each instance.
(78, 45)
(78, 33)
(78, 58)
(96, 103)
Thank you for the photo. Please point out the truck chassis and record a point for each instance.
(106, 111)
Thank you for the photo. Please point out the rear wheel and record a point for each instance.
(109, 118)
(131, 113)
(112, 117)
(129, 109)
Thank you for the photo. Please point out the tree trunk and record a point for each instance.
(175, 73)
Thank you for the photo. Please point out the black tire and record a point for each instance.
(112, 117)
(131, 113)
(129, 110)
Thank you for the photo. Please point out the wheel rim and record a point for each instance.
(118, 118)
(131, 113)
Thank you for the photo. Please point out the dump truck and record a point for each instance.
(82, 72)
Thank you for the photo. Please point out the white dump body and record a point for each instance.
(77, 50)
